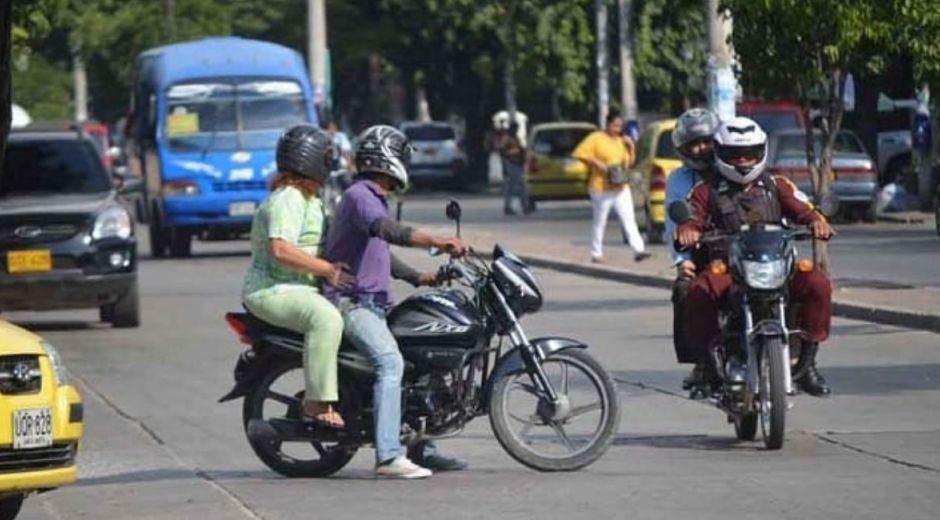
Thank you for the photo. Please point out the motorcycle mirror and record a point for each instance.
(827, 204)
(679, 211)
(453, 210)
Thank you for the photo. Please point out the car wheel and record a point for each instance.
(871, 212)
(124, 313)
(10, 506)
(181, 243)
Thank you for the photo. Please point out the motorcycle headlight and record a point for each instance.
(58, 366)
(112, 222)
(765, 275)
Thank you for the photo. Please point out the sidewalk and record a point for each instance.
(913, 308)
(906, 217)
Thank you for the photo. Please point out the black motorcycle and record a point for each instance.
(551, 405)
(751, 356)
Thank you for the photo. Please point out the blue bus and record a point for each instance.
(204, 122)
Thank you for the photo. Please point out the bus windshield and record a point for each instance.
(231, 115)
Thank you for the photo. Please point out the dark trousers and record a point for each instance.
(708, 293)
(684, 354)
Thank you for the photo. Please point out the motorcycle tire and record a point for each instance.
(325, 461)
(609, 406)
(772, 394)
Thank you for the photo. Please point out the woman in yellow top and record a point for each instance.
(608, 157)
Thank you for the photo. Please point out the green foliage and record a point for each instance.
(43, 89)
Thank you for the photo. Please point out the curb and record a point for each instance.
(903, 218)
(883, 315)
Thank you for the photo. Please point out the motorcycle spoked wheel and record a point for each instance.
(772, 397)
(279, 394)
(559, 446)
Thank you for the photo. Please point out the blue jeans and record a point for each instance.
(368, 331)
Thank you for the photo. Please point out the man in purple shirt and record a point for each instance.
(359, 237)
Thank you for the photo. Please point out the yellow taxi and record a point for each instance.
(656, 159)
(40, 419)
(551, 173)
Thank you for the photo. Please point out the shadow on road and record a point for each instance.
(57, 325)
(687, 442)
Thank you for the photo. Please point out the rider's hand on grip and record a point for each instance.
(453, 246)
(822, 230)
(688, 237)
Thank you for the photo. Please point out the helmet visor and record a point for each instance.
(741, 154)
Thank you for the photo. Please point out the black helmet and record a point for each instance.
(384, 149)
(307, 151)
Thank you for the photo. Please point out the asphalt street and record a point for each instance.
(157, 445)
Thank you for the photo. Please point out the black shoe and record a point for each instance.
(813, 383)
(509, 211)
(425, 454)
(639, 257)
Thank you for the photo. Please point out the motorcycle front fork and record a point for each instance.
(754, 351)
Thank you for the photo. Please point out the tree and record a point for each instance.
(805, 48)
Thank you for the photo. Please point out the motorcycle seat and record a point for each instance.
(256, 328)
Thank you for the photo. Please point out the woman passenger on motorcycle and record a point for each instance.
(745, 193)
(281, 286)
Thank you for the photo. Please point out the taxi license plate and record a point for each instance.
(29, 261)
(241, 209)
(32, 428)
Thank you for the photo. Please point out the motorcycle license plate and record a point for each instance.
(29, 261)
(32, 428)
(241, 209)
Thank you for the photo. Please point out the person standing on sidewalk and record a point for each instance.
(512, 154)
(608, 158)
(692, 139)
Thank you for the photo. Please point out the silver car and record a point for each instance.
(437, 155)
(855, 174)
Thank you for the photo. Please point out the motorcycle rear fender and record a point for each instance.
(249, 371)
(512, 360)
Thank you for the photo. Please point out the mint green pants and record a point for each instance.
(303, 309)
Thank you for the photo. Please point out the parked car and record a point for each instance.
(437, 155)
(41, 416)
(551, 173)
(66, 238)
(855, 181)
(773, 116)
(656, 159)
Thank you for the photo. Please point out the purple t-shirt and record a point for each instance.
(349, 242)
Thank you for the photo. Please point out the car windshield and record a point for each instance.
(795, 144)
(664, 147)
(774, 120)
(231, 115)
(429, 133)
(53, 166)
(559, 142)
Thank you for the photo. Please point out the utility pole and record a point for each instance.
(169, 7)
(79, 83)
(627, 86)
(603, 81)
(316, 50)
(722, 85)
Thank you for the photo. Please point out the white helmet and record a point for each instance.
(740, 137)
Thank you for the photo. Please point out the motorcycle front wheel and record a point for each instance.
(566, 437)
(772, 397)
(279, 395)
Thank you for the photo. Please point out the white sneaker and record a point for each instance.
(401, 467)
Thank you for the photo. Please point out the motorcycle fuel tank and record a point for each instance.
(442, 319)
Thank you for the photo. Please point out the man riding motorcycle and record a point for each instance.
(692, 139)
(359, 237)
(745, 193)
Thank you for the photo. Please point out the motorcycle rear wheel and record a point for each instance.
(325, 458)
(577, 452)
(772, 394)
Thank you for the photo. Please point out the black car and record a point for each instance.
(66, 238)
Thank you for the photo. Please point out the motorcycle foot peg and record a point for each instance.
(261, 430)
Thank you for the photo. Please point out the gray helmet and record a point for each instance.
(307, 151)
(695, 124)
(384, 149)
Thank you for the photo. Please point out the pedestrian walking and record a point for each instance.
(608, 157)
(512, 153)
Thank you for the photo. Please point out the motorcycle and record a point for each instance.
(551, 405)
(751, 356)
